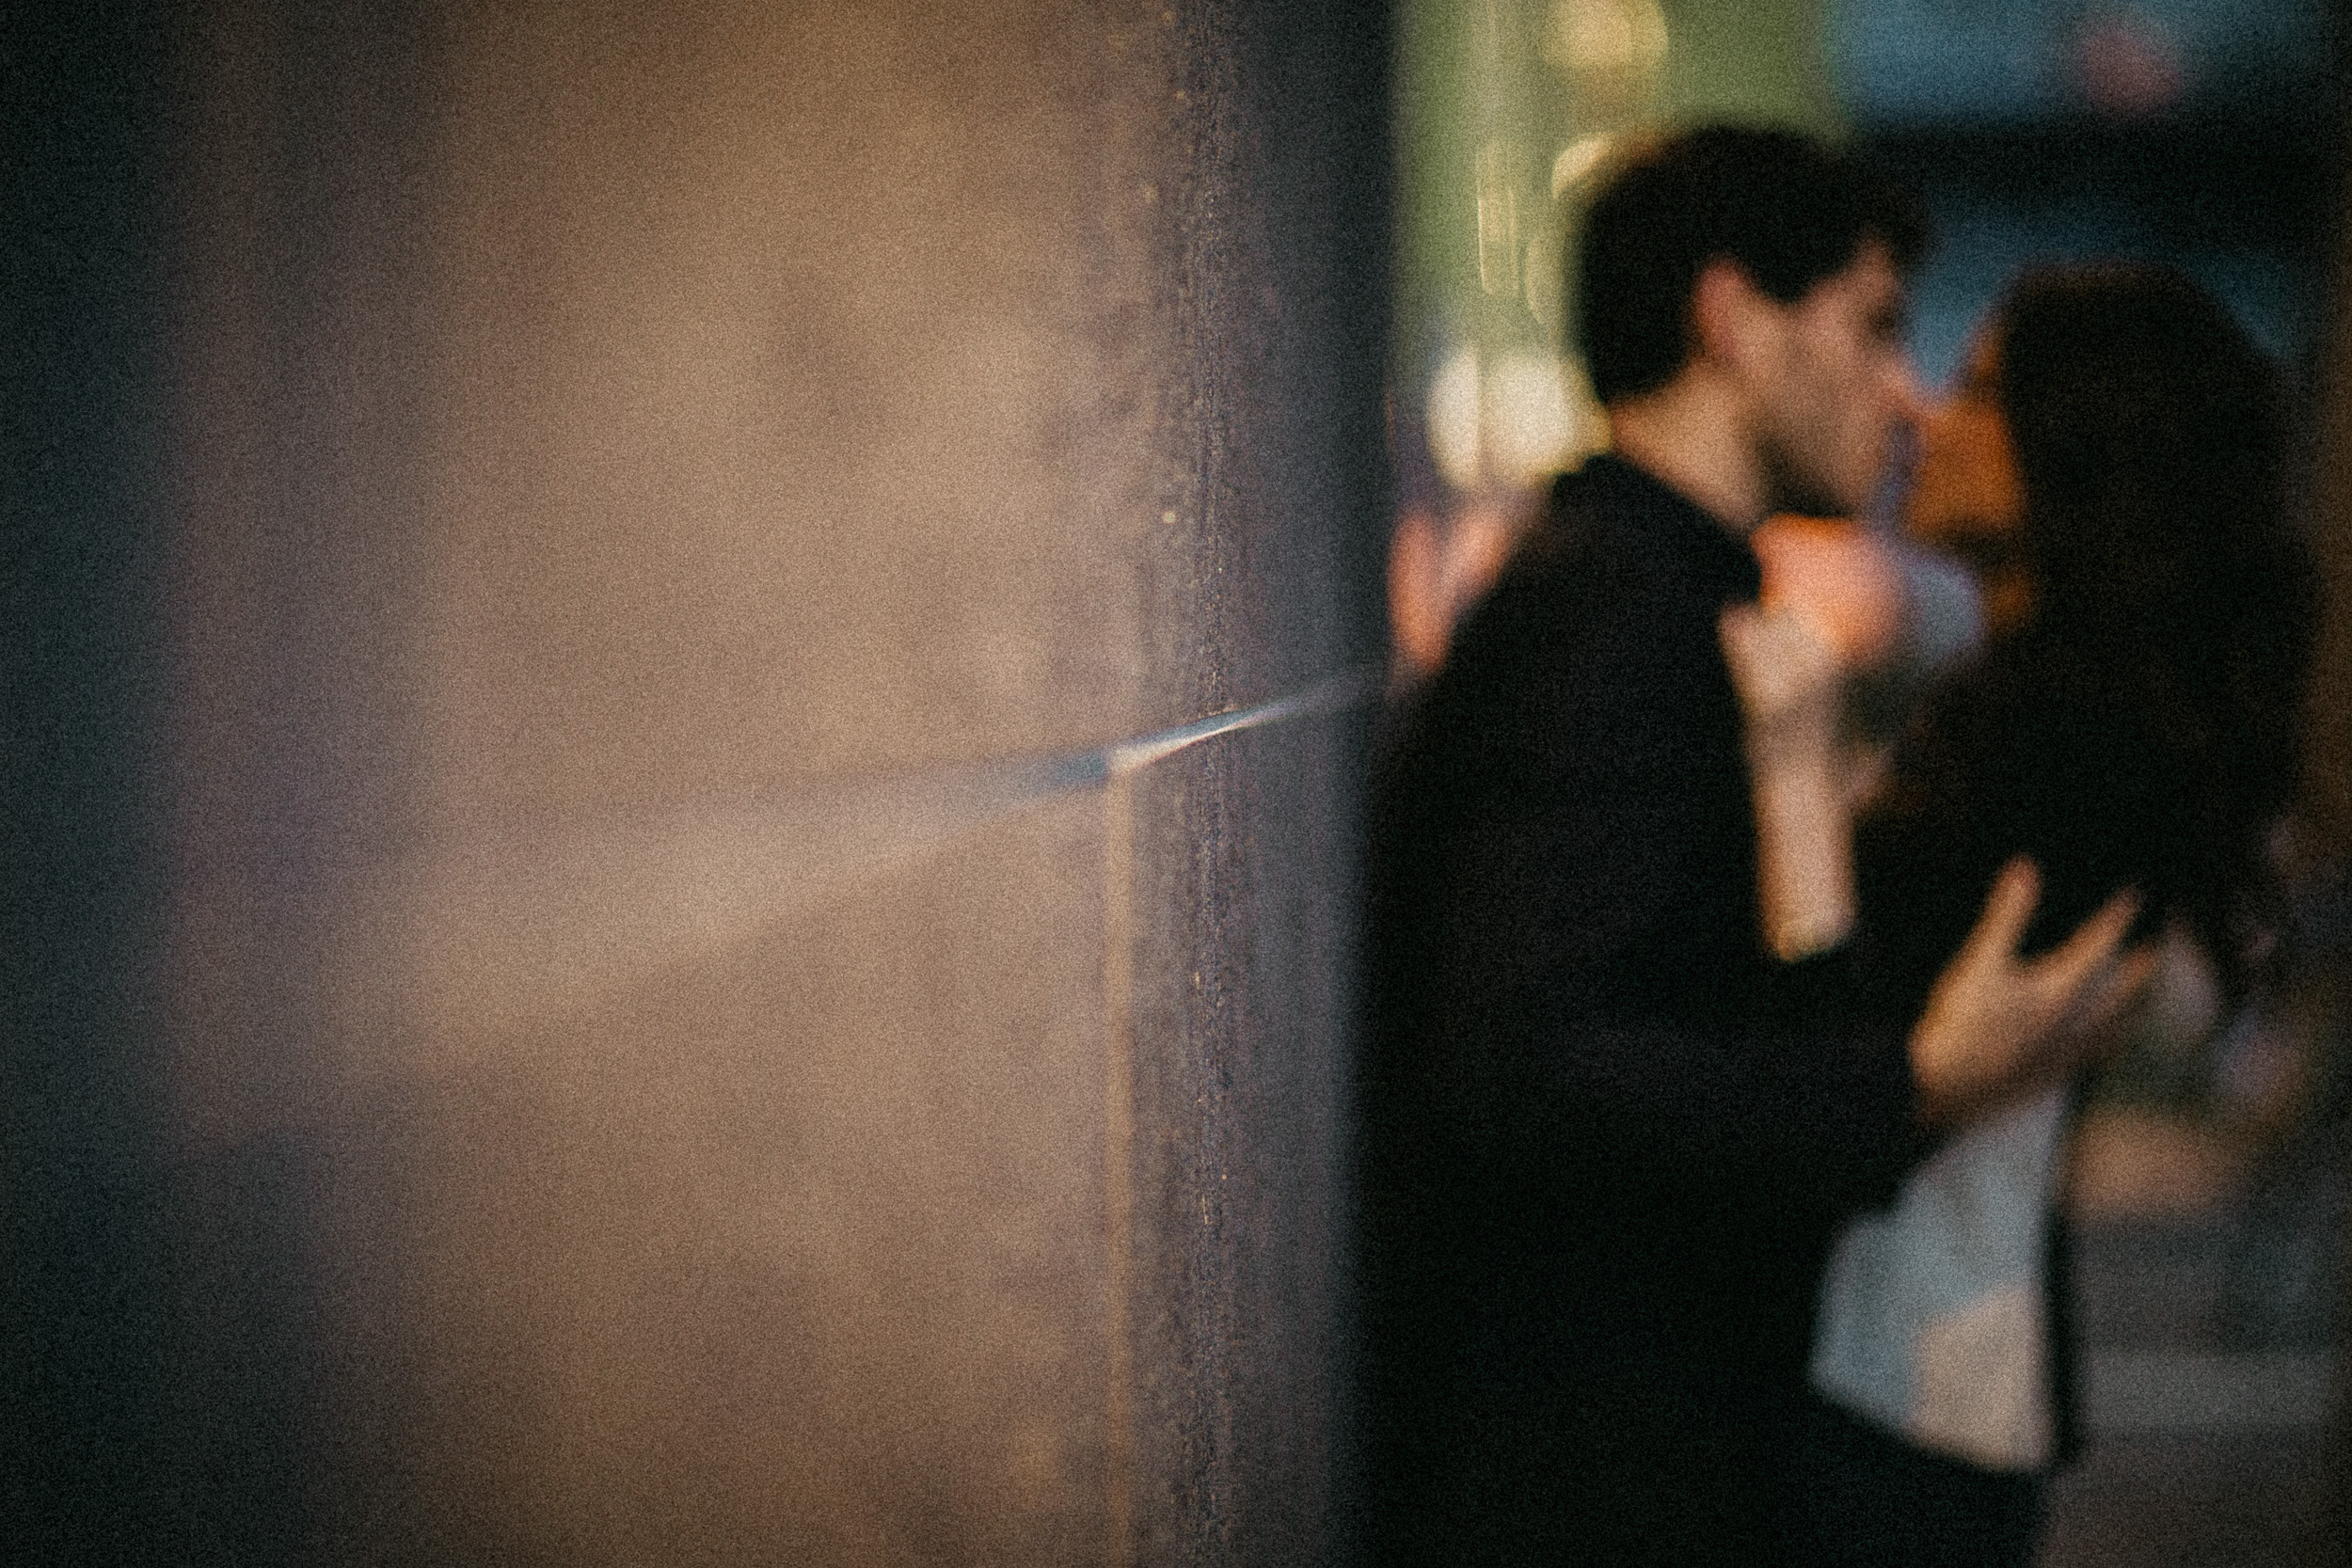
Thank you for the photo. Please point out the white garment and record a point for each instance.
(1932, 1317)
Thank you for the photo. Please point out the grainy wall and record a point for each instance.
(679, 1034)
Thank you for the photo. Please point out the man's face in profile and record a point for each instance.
(1841, 382)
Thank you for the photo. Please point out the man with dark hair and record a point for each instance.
(1789, 211)
(1613, 1101)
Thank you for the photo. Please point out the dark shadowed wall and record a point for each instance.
(2327, 806)
(633, 947)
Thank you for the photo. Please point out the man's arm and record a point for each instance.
(1571, 1030)
(1993, 1026)
(1997, 1027)
(1603, 995)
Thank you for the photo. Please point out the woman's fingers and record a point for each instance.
(1779, 664)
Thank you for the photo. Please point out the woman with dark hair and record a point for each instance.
(2133, 725)
(2138, 725)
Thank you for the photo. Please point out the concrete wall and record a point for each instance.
(678, 1032)
(2327, 807)
(2327, 804)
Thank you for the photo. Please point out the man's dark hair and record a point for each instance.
(1790, 210)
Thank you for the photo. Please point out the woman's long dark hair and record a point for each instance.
(2150, 438)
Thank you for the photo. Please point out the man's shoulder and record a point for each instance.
(1589, 522)
(1588, 643)
(1587, 580)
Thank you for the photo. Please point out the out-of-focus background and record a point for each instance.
(2209, 1179)
(685, 694)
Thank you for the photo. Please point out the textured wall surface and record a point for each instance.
(2327, 804)
(680, 1033)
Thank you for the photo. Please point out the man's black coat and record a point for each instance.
(1606, 1137)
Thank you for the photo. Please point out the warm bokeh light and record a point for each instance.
(1578, 162)
(1603, 44)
